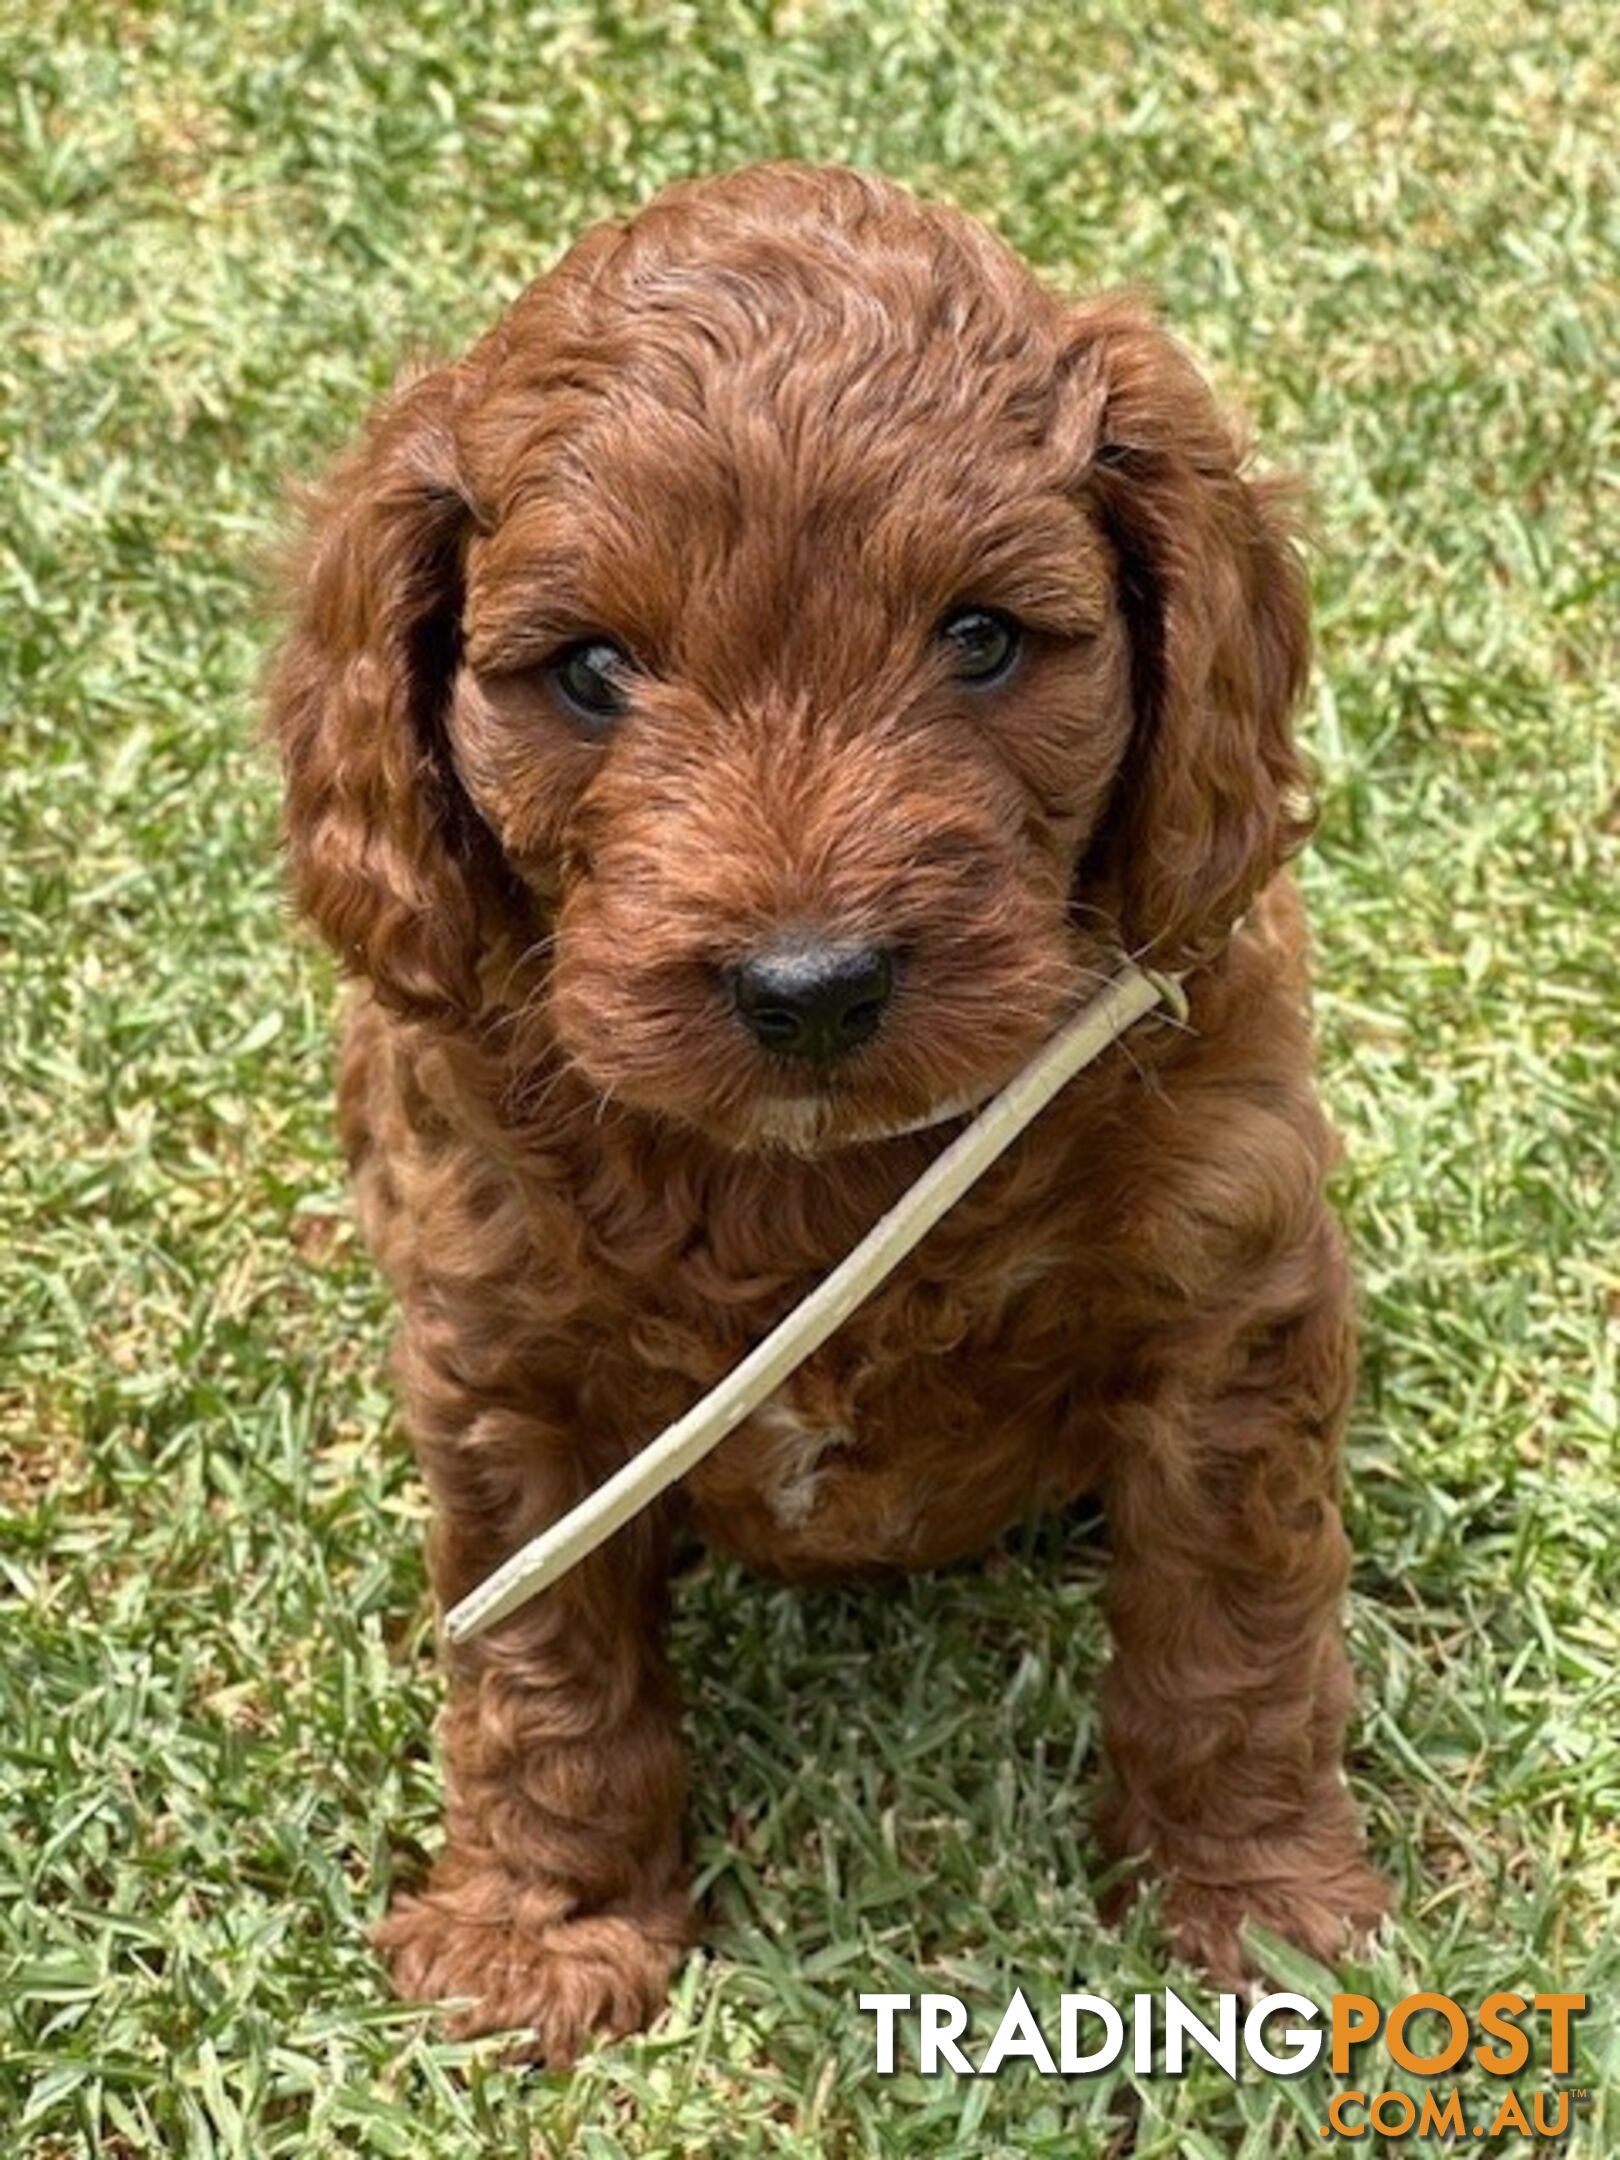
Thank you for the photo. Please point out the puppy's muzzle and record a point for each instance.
(802, 998)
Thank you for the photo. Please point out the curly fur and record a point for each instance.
(765, 434)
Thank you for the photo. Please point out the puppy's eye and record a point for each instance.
(983, 643)
(592, 679)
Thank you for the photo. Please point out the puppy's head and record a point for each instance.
(802, 653)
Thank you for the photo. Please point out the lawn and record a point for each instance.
(1392, 231)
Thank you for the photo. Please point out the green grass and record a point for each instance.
(1392, 229)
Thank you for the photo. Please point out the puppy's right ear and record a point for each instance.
(387, 856)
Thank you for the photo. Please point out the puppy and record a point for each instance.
(729, 719)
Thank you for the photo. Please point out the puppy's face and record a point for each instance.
(819, 643)
(794, 679)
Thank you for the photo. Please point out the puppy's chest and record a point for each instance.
(801, 1437)
(927, 1424)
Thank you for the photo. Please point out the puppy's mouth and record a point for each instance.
(810, 1124)
(848, 1049)
(821, 1049)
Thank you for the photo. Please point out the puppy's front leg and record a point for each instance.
(1225, 1704)
(557, 1903)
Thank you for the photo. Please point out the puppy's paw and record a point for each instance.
(565, 1980)
(1323, 1910)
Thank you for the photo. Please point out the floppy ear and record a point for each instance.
(1214, 797)
(387, 855)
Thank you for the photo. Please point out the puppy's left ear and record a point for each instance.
(1214, 797)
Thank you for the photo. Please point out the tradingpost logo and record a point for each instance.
(1518, 2044)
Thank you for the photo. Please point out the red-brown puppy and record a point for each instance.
(730, 717)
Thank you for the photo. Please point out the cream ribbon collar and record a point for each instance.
(535, 1566)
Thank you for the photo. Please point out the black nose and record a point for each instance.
(806, 1000)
